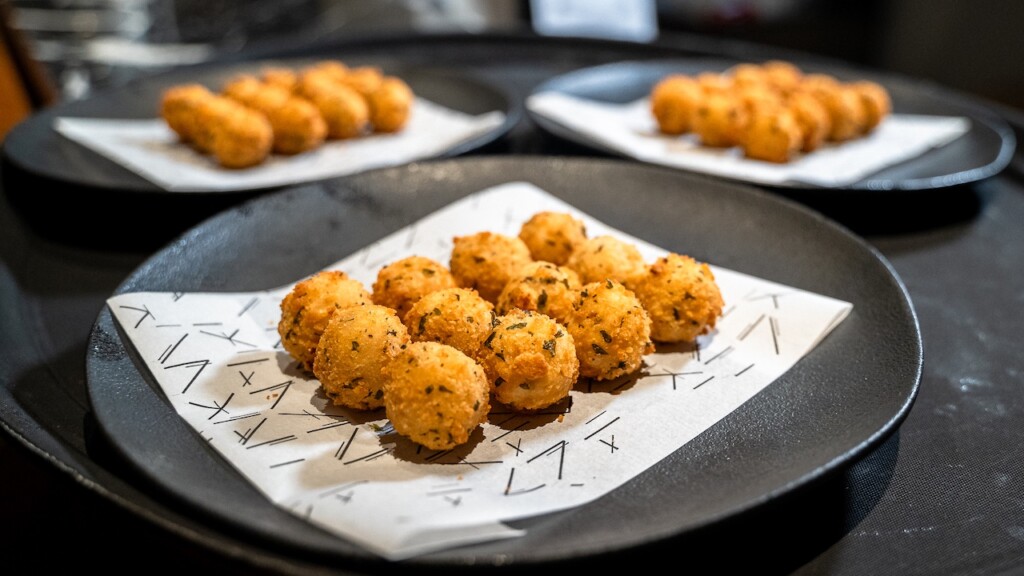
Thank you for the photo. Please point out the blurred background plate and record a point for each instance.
(980, 153)
(841, 400)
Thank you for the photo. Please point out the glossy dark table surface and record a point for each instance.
(944, 494)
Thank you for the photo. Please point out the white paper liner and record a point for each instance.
(219, 360)
(630, 129)
(150, 149)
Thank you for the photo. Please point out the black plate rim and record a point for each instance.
(97, 343)
(512, 108)
(977, 111)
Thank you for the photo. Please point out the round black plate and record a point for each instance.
(985, 150)
(842, 399)
(69, 162)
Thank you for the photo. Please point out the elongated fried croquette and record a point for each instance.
(236, 135)
(530, 360)
(458, 317)
(611, 331)
(390, 105)
(403, 282)
(179, 106)
(541, 287)
(681, 297)
(486, 261)
(307, 308)
(344, 110)
(356, 345)
(298, 125)
(552, 236)
(435, 395)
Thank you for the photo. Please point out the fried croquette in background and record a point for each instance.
(611, 331)
(307, 308)
(486, 261)
(236, 135)
(458, 317)
(874, 100)
(681, 297)
(298, 125)
(355, 347)
(772, 134)
(718, 120)
(552, 236)
(541, 287)
(402, 282)
(390, 105)
(530, 360)
(178, 108)
(435, 395)
(673, 101)
(344, 110)
(603, 257)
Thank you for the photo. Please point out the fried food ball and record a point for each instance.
(344, 110)
(681, 297)
(530, 360)
(846, 114)
(719, 119)
(610, 329)
(552, 236)
(307, 308)
(541, 287)
(179, 106)
(486, 261)
(603, 257)
(298, 125)
(353, 350)
(236, 135)
(458, 317)
(390, 104)
(401, 283)
(813, 119)
(772, 134)
(435, 395)
(875, 102)
(673, 101)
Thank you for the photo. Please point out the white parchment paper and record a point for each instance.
(150, 149)
(631, 130)
(219, 360)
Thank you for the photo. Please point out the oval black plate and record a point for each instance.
(69, 162)
(842, 399)
(985, 150)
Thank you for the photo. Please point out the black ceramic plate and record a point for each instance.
(985, 150)
(69, 162)
(842, 399)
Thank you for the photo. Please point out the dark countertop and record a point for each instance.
(943, 494)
